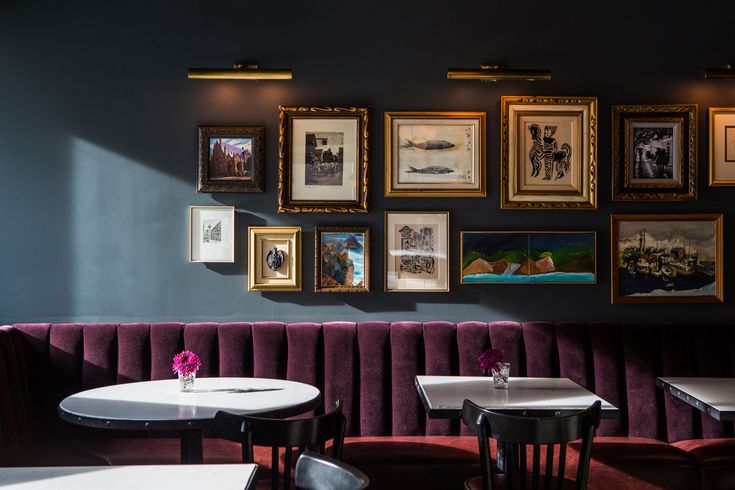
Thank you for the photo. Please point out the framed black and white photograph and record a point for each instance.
(230, 159)
(721, 146)
(654, 152)
(211, 234)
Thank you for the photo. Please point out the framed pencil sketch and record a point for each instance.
(667, 258)
(654, 152)
(342, 259)
(274, 258)
(230, 159)
(721, 146)
(211, 234)
(416, 251)
(548, 149)
(435, 154)
(323, 160)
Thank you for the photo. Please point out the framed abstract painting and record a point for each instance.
(342, 259)
(274, 258)
(230, 159)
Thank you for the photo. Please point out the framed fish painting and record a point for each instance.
(548, 151)
(342, 259)
(435, 154)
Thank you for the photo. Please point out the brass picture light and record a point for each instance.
(727, 73)
(494, 73)
(240, 72)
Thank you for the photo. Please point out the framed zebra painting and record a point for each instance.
(548, 152)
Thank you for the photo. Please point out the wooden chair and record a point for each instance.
(318, 472)
(514, 433)
(303, 434)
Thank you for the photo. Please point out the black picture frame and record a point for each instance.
(208, 183)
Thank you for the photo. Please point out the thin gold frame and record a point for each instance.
(712, 112)
(616, 298)
(586, 198)
(365, 230)
(434, 190)
(232, 242)
(291, 233)
(385, 254)
(525, 232)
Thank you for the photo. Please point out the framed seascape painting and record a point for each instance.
(323, 160)
(435, 154)
(528, 257)
(416, 251)
(548, 150)
(274, 258)
(654, 152)
(211, 234)
(230, 159)
(721, 146)
(342, 259)
(667, 258)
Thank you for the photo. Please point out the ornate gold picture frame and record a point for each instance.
(721, 146)
(548, 149)
(274, 258)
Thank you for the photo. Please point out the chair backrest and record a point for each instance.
(311, 433)
(513, 433)
(319, 472)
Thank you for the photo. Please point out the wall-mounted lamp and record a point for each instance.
(494, 73)
(240, 72)
(727, 73)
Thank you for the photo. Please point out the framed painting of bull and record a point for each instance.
(435, 154)
(230, 159)
(548, 151)
(323, 160)
(654, 152)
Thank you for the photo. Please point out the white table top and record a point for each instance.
(443, 395)
(715, 396)
(161, 405)
(147, 477)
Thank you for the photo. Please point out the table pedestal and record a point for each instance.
(191, 447)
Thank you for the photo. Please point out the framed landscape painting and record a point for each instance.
(435, 154)
(323, 160)
(548, 150)
(654, 152)
(274, 258)
(230, 159)
(416, 251)
(342, 259)
(667, 258)
(721, 146)
(528, 257)
(211, 234)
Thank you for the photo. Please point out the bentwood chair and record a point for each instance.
(319, 472)
(514, 433)
(312, 434)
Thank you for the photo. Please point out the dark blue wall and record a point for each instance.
(98, 136)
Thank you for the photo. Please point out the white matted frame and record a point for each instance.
(274, 276)
(211, 233)
(721, 146)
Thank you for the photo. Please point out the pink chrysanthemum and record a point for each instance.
(186, 363)
(489, 359)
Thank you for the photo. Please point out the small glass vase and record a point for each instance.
(186, 383)
(501, 373)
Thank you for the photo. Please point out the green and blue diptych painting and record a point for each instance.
(508, 257)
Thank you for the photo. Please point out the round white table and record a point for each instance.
(161, 406)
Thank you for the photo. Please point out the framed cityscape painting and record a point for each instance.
(721, 146)
(323, 160)
(654, 152)
(342, 259)
(211, 234)
(435, 154)
(548, 150)
(528, 257)
(230, 159)
(667, 258)
(416, 251)
(274, 258)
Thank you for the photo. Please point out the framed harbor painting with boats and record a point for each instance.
(528, 257)
(342, 256)
(435, 154)
(667, 258)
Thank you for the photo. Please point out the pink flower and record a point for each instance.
(489, 359)
(186, 363)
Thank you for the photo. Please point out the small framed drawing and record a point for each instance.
(528, 257)
(435, 154)
(666, 258)
(211, 234)
(548, 150)
(721, 146)
(323, 160)
(342, 259)
(274, 258)
(230, 159)
(416, 251)
(654, 153)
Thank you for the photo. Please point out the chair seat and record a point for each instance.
(716, 459)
